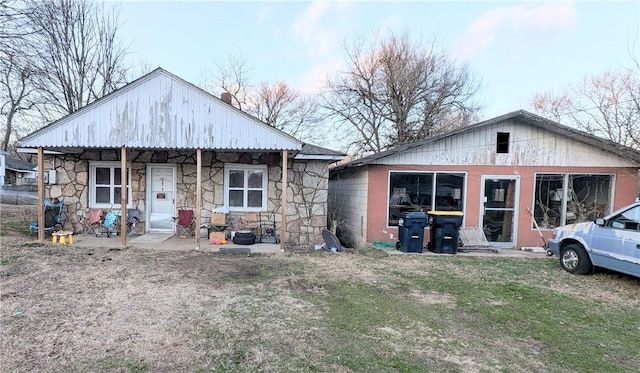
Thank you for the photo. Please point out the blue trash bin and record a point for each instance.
(411, 231)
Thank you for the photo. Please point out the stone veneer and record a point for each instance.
(306, 212)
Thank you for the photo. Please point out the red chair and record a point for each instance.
(93, 221)
(186, 222)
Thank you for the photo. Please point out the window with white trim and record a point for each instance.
(105, 184)
(245, 187)
(414, 191)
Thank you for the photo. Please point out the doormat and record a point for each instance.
(151, 238)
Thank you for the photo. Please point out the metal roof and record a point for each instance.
(521, 116)
(160, 111)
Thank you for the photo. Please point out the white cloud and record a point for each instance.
(315, 77)
(516, 24)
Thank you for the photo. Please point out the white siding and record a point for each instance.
(161, 111)
(528, 146)
(348, 196)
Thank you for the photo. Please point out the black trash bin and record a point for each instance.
(445, 231)
(411, 231)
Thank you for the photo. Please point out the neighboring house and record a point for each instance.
(15, 171)
(175, 140)
(495, 172)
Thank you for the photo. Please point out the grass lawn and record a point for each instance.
(68, 309)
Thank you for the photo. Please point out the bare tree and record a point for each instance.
(16, 91)
(277, 104)
(396, 92)
(232, 78)
(605, 105)
(286, 109)
(78, 53)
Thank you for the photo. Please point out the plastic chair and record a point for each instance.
(52, 217)
(93, 220)
(185, 222)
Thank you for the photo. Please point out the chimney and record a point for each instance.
(226, 97)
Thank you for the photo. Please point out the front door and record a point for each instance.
(161, 187)
(498, 217)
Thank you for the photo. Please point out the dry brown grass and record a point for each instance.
(70, 309)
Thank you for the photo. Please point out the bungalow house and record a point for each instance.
(501, 174)
(160, 143)
(15, 171)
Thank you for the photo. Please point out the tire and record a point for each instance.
(244, 238)
(574, 259)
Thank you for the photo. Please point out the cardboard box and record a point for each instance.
(217, 236)
(218, 219)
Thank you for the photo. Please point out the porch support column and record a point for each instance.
(198, 196)
(40, 194)
(123, 196)
(283, 203)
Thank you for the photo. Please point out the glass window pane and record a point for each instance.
(103, 176)
(236, 198)
(409, 191)
(449, 191)
(255, 198)
(548, 200)
(588, 197)
(236, 179)
(103, 195)
(116, 195)
(116, 176)
(255, 179)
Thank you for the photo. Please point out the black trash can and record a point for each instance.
(411, 231)
(445, 231)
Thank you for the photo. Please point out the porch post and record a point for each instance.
(40, 194)
(283, 203)
(198, 196)
(123, 196)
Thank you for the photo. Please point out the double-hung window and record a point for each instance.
(245, 187)
(105, 186)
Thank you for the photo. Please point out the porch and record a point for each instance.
(167, 242)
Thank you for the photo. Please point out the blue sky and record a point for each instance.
(517, 48)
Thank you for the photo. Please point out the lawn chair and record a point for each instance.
(133, 218)
(52, 217)
(110, 224)
(185, 223)
(93, 221)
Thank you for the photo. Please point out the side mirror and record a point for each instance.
(600, 222)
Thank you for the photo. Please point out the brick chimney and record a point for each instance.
(226, 97)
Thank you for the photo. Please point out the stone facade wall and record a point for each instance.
(306, 213)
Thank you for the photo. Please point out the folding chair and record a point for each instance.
(93, 220)
(133, 218)
(185, 222)
(251, 222)
(52, 217)
(110, 223)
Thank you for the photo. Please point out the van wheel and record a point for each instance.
(574, 259)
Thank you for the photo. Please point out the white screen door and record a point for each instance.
(161, 198)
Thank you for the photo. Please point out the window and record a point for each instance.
(245, 187)
(571, 198)
(503, 142)
(413, 191)
(105, 184)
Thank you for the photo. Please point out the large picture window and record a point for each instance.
(105, 184)
(245, 187)
(571, 198)
(414, 191)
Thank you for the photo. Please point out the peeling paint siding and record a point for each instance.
(529, 146)
(161, 113)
